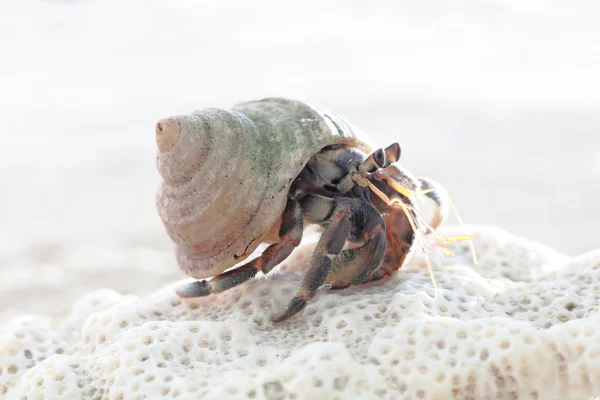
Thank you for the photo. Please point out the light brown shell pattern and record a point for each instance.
(226, 175)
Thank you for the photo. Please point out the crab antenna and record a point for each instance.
(399, 188)
(460, 221)
(447, 239)
(417, 231)
(429, 269)
(418, 218)
(410, 194)
(404, 191)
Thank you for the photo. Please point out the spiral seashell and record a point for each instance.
(226, 175)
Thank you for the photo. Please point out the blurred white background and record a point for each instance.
(497, 100)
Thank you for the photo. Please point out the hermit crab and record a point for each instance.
(263, 171)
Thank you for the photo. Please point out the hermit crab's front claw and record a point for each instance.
(439, 195)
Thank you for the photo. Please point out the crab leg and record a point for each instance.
(290, 233)
(328, 247)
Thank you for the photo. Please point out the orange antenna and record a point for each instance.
(410, 194)
(419, 224)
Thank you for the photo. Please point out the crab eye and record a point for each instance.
(379, 158)
(392, 153)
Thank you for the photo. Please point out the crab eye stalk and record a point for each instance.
(373, 162)
(379, 156)
(392, 153)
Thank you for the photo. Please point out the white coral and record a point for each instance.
(521, 324)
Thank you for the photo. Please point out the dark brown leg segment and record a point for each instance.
(290, 234)
(328, 247)
(355, 266)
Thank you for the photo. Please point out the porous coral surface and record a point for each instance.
(522, 323)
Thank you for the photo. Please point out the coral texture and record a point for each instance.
(523, 323)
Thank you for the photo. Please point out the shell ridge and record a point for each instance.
(243, 118)
(249, 232)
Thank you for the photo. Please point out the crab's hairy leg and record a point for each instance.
(356, 265)
(333, 239)
(290, 234)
